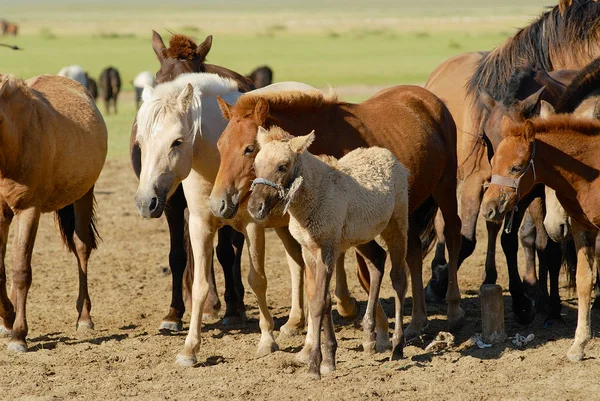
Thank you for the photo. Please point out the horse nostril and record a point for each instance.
(223, 206)
(153, 204)
(491, 213)
(564, 230)
(261, 208)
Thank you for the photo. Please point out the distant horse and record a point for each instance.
(262, 76)
(183, 55)
(144, 78)
(562, 152)
(75, 73)
(92, 86)
(3, 26)
(52, 167)
(335, 205)
(110, 82)
(11, 29)
(556, 41)
(408, 120)
(179, 124)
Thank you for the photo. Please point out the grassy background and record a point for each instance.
(337, 42)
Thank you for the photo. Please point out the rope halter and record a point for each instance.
(514, 183)
(281, 191)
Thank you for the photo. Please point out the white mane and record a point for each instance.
(162, 100)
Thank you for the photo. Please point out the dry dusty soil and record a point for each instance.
(127, 357)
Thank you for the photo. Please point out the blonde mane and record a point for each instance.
(280, 100)
(10, 84)
(162, 100)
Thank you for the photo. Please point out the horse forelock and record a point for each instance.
(286, 100)
(181, 47)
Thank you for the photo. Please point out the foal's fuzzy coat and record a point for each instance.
(335, 205)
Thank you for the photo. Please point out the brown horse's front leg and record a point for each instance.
(27, 229)
(7, 311)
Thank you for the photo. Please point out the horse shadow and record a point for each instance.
(51, 340)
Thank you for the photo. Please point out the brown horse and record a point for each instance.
(183, 55)
(92, 86)
(54, 144)
(561, 152)
(393, 118)
(110, 82)
(567, 40)
(11, 29)
(262, 76)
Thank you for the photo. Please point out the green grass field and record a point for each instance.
(338, 43)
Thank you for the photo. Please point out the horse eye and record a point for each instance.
(282, 168)
(516, 169)
(249, 150)
(176, 143)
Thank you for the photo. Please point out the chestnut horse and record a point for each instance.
(561, 152)
(408, 120)
(183, 56)
(54, 144)
(560, 39)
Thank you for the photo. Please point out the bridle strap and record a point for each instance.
(514, 183)
(281, 191)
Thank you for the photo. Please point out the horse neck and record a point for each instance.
(312, 170)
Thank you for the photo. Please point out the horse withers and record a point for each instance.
(54, 147)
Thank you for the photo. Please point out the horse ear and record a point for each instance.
(529, 130)
(531, 104)
(262, 136)
(184, 100)
(204, 47)
(300, 143)
(147, 93)
(505, 125)
(563, 5)
(225, 108)
(546, 110)
(159, 46)
(487, 100)
(261, 111)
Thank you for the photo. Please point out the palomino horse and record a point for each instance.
(335, 205)
(561, 152)
(183, 56)
(110, 82)
(557, 40)
(179, 124)
(408, 120)
(54, 144)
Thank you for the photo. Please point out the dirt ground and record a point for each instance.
(127, 357)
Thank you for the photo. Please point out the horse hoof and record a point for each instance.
(369, 347)
(186, 361)
(457, 321)
(4, 332)
(327, 368)
(264, 350)
(575, 354)
(349, 311)
(171, 326)
(17, 346)
(210, 316)
(85, 325)
(397, 353)
(314, 374)
(290, 330)
(303, 355)
(525, 313)
(234, 320)
(383, 345)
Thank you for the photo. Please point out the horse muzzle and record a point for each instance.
(150, 206)
(224, 207)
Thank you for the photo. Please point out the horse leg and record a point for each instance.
(309, 274)
(24, 240)
(255, 235)
(174, 212)
(585, 241)
(82, 238)
(227, 259)
(528, 237)
(202, 233)
(490, 273)
(375, 256)
(330, 343)
(7, 311)
(439, 259)
(596, 305)
(414, 259)
(293, 253)
(345, 303)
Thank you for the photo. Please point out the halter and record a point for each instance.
(514, 183)
(281, 191)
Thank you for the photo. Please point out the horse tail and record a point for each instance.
(65, 219)
(569, 262)
(423, 220)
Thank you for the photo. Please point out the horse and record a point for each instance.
(92, 86)
(12, 29)
(3, 26)
(335, 205)
(139, 82)
(54, 147)
(561, 152)
(408, 120)
(75, 73)
(555, 41)
(110, 81)
(183, 55)
(261, 76)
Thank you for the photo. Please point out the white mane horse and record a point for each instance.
(179, 124)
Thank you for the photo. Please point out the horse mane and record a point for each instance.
(515, 84)
(163, 100)
(12, 84)
(561, 122)
(284, 100)
(585, 82)
(181, 47)
(575, 30)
